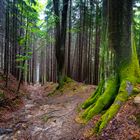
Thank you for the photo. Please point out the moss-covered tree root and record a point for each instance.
(102, 101)
(124, 91)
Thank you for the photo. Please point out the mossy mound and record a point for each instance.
(68, 85)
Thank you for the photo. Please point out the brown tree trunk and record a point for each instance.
(97, 45)
(6, 53)
(60, 37)
(69, 42)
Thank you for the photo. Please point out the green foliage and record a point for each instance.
(22, 59)
(74, 30)
(29, 10)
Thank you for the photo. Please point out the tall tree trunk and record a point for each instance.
(24, 54)
(60, 38)
(97, 45)
(69, 42)
(6, 54)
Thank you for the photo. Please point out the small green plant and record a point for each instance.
(45, 117)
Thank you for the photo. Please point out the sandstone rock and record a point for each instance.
(137, 99)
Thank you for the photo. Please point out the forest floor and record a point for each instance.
(41, 116)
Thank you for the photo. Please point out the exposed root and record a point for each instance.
(102, 102)
(113, 97)
(122, 96)
(95, 96)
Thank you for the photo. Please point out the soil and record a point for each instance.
(46, 117)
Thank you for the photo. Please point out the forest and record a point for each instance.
(69, 69)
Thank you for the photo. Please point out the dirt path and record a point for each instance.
(47, 118)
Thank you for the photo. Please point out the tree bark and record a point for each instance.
(60, 37)
(97, 45)
(69, 42)
(6, 53)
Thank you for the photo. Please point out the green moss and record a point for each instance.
(104, 100)
(64, 84)
(112, 111)
(136, 90)
(94, 96)
(63, 81)
(45, 118)
(131, 70)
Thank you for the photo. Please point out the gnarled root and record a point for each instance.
(115, 94)
(95, 96)
(103, 101)
(125, 90)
